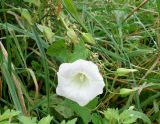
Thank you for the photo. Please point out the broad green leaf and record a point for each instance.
(63, 122)
(73, 121)
(64, 111)
(43, 101)
(58, 50)
(27, 120)
(96, 119)
(5, 122)
(133, 115)
(46, 120)
(79, 52)
(82, 112)
(126, 118)
(8, 114)
(73, 11)
(92, 104)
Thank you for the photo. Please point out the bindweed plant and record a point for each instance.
(128, 116)
(79, 61)
(82, 78)
(15, 117)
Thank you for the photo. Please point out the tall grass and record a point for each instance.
(126, 35)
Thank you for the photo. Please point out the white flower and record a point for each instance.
(79, 81)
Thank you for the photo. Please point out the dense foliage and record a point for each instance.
(122, 37)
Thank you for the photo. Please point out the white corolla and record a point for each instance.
(79, 81)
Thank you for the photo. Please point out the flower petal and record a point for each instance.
(71, 86)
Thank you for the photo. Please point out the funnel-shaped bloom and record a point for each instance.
(79, 81)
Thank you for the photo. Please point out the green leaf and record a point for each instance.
(112, 115)
(47, 32)
(82, 112)
(150, 99)
(44, 62)
(92, 104)
(8, 114)
(153, 85)
(64, 111)
(96, 119)
(140, 52)
(158, 5)
(35, 2)
(36, 66)
(10, 83)
(114, 56)
(73, 11)
(8, 26)
(26, 15)
(46, 120)
(63, 122)
(73, 121)
(27, 120)
(155, 106)
(58, 50)
(79, 52)
(129, 116)
(5, 122)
